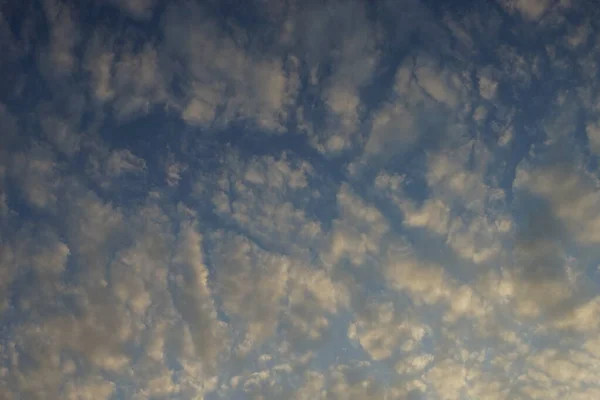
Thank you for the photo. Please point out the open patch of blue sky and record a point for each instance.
(294, 199)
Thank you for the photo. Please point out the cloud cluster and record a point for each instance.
(285, 199)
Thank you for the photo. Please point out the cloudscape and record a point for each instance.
(299, 199)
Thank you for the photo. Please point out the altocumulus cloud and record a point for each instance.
(299, 200)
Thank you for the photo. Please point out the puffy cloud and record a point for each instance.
(225, 82)
(59, 59)
(393, 126)
(358, 232)
(150, 295)
(173, 173)
(381, 330)
(37, 176)
(571, 194)
(422, 225)
(137, 80)
(267, 196)
(427, 284)
(193, 298)
(593, 132)
(448, 378)
(462, 206)
(252, 284)
(140, 9)
(107, 167)
(128, 76)
(529, 9)
(61, 134)
(313, 298)
(353, 382)
(352, 54)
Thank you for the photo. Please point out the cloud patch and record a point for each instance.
(280, 199)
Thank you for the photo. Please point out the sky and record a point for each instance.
(299, 199)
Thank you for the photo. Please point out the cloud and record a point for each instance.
(314, 298)
(265, 196)
(393, 126)
(357, 233)
(571, 196)
(131, 79)
(61, 134)
(139, 9)
(393, 200)
(37, 176)
(382, 329)
(128, 295)
(193, 298)
(352, 382)
(223, 81)
(138, 82)
(352, 54)
(59, 59)
(251, 284)
(529, 9)
(112, 164)
(448, 378)
(593, 132)
(174, 171)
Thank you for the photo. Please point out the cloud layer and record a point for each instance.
(291, 200)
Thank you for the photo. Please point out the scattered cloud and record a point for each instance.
(289, 200)
(138, 9)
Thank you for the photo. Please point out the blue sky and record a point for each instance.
(299, 200)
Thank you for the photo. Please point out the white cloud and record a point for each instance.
(60, 60)
(313, 297)
(530, 9)
(357, 233)
(572, 195)
(448, 378)
(91, 388)
(440, 85)
(487, 86)
(194, 301)
(477, 240)
(265, 196)
(221, 74)
(312, 388)
(127, 75)
(351, 50)
(353, 382)
(393, 130)
(381, 329)
(138, 81)
(99, 63)
(123, 161)
(429, 284)
(390, 260)
(564, 113)
(37, 176)
(433, 215)
(451, 179)
(579, 35)
(251, 283)
(462, 207)
(106, 166)
(133, 286)
(110, 316)
(61, 134)
(414, 364)
(593, 133)
(141, 9)
(173, 173)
